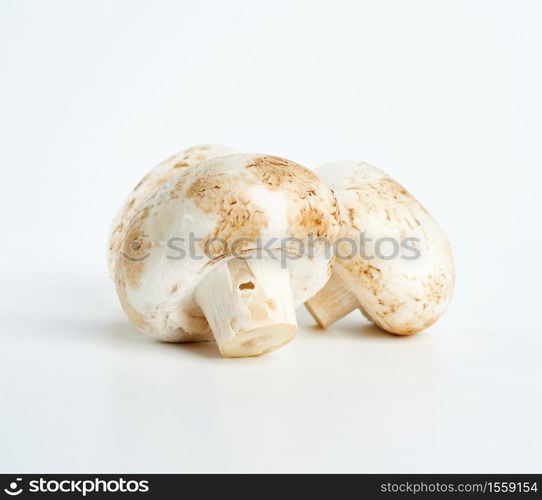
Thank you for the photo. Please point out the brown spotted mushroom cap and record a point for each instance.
(402, 295)
(195, 221)
(145, 188)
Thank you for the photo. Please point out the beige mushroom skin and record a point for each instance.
(216, 281)
(146, 187)
(404, 292)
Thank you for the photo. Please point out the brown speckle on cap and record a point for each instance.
(308, 211)
(181, 164)
(135, 248)
(237, 216)
(141, 182)
(272, 172)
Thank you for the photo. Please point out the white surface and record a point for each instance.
(444, 96)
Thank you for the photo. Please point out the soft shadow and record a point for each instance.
(124, 331)
(364, 330)
(202, 349)
(367, 330)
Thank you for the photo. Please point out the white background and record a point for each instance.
(445, 96)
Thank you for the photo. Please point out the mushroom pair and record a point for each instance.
(216, 244)
(210, 245)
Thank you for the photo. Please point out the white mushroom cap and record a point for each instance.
(402, 295)
(246, 200)
(147, 186)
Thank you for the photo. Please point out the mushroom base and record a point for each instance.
(258, 341)
(332, 302)
(248, 305)
(335, 301)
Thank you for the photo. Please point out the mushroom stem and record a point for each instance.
(332, 302)
(249, 306)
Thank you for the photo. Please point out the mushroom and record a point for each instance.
(220, 251)
(147, 186)
(403, 291)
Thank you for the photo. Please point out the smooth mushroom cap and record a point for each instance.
(194, 222)
(403, 294)
(146, 187)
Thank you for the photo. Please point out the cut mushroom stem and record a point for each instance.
(249, 306)
(332, 302)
